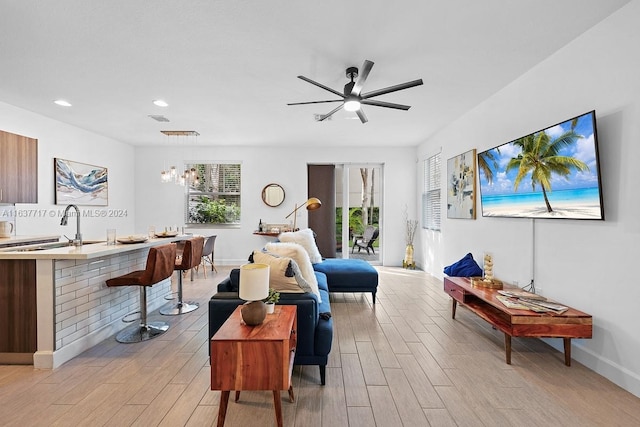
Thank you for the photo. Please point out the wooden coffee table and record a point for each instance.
(518, 323)
(254, 357)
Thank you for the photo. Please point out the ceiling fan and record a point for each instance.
(352, 98)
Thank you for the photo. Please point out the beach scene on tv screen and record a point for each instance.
(548, 174)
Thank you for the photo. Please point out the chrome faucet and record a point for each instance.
(78, 240)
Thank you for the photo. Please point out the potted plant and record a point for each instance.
(272, 299)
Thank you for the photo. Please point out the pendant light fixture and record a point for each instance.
(170, 175)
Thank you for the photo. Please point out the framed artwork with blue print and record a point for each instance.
(80, 183)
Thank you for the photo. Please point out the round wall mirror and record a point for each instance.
(273, 195)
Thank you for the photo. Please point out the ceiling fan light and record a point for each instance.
(352, 105)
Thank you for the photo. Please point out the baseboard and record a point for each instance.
(612, 371)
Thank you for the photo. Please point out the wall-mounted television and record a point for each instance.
(552, 173)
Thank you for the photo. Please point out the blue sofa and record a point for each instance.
(315, 325)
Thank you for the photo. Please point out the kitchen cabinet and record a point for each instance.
(18, 316)
(18, 168)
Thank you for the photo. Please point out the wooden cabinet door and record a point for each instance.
(18, 168)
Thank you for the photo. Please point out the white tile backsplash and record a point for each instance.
(84, 303)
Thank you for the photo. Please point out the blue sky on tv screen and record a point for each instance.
(584, 149)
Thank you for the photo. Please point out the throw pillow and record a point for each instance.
(281, 273)
(466, 267)
(306, 239)
(297, 253)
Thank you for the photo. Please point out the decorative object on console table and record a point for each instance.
(254, 288)
(488, 281)
(311, 204)
(80, 183)
(461, 186)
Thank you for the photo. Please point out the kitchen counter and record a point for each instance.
(55, 302)
(88, 250)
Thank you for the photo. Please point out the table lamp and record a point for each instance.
(254, 288)
(311, 204)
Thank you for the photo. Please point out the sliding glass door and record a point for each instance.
(359, 211)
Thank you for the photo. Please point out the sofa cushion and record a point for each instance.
(300, 256)
(305, 238)
(284, 273)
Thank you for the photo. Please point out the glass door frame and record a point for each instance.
(345, 169)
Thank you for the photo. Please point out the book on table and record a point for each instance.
(521, 293)
(537, 305)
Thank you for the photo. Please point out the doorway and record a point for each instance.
(359, 211)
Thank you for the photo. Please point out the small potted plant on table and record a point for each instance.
(272, 299)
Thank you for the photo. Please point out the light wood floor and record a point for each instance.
(403, 362)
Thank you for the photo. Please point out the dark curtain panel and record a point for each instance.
(321, 183)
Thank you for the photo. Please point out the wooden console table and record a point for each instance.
(267, 233)
(518, 323)
(254, 357)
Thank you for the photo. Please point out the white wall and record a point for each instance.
(161, 204)
(56, 139)
(589, 265)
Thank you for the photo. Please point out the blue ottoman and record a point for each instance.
(349, 275)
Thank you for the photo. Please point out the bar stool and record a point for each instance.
(160, 265)
(191, 256)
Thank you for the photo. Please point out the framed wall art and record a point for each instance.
(80, 184)
(461, 186)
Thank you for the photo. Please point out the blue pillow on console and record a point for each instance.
(466, 267)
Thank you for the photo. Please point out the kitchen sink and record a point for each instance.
(45, 246)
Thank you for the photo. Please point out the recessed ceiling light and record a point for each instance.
(160, 103)
(62, 103)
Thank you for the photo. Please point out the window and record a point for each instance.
(214, 198)
(431, 194)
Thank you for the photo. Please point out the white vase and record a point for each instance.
(270, 307)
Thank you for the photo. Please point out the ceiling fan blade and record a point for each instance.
(331, 113)
(315, 102)
(341, 95)
(362, 77)
(363, 117)
(385, 104)
(394, 88)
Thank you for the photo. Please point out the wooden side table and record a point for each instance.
(254, 357)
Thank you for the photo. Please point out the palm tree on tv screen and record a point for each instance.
(540, 157)
(487, 163)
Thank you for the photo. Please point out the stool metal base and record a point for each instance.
(139, 333)
(180, 308)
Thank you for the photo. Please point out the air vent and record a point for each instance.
(180, 132)
(159, 118)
